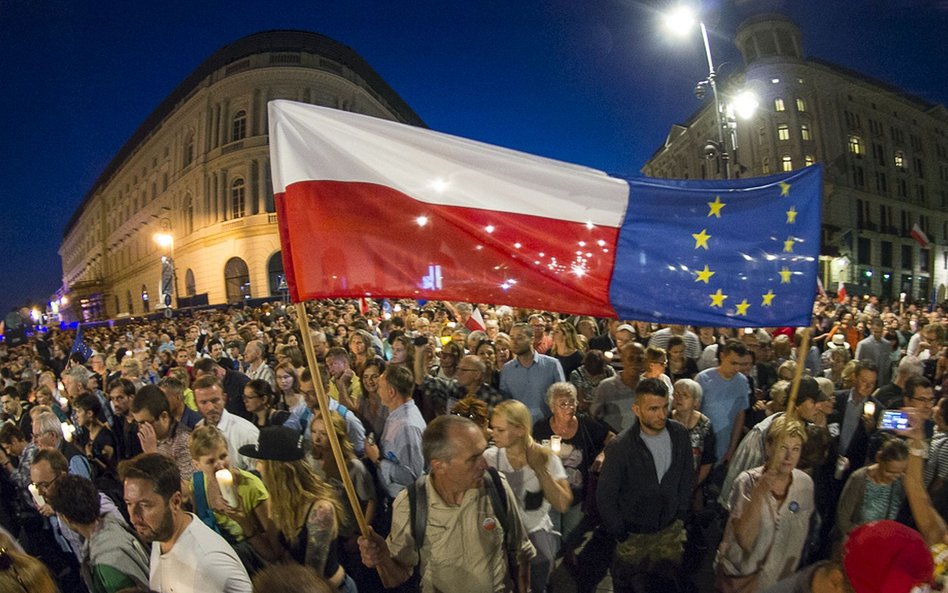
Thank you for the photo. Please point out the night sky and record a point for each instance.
(587, 81)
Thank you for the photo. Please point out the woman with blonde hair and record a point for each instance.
(566, 347)
(536, 477)
(303, 508)
(21, 572)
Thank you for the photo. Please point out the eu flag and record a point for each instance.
(738, 253)
(80, 346)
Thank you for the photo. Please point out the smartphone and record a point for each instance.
(894, 420)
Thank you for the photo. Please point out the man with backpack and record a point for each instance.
(459, 524)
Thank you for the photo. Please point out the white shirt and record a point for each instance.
(238, 432)
(200, 562)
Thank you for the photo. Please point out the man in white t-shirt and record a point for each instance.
(186, 555)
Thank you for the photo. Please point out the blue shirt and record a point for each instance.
(401, 460)
(529, 384)
(722, 401)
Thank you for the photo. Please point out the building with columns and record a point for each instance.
(885, 155)
(193, 182)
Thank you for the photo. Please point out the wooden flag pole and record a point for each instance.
(323, 400)
(802, 349)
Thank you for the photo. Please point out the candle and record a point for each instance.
(37, 497)
(68, 430)
(226, 481)
(869, 409)
(555, 442)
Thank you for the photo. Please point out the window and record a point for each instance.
(852, 120)
(275, 272)
(901, 188)
(906, 257)
(801, 104)
(188, 150)
(190, 287)
(786, 163)
(808, 160)
(237, 199)
(882, 186)
(778, 105)
(765, 165)
(855, 145)
(188, 215)
(146, 305)
(236, 280)
(859, 176)
(863, 251)
(905, 223)
(919, 167)
(238, 126)
(783, 132)
(805, 133)
(887, 254)
(878, 153)
(863, 216)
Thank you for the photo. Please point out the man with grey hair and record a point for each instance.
(891, 395)
(527, 377)
(876, 350)
(457, 503)
(257, 367)
(48, 434)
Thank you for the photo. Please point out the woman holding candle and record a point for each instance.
(231, 501)
(305, 510)
(536, 477)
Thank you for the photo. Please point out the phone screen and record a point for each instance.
(894, 420)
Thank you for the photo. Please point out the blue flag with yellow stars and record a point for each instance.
(738, 253)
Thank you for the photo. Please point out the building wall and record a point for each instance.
(184, 170)
(870, 204)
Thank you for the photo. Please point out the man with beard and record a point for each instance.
(527, 377)
(613, 397)
(186, 555)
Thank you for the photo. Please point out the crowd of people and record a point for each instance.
(486, 446)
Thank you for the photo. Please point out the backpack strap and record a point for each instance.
(418, 510)
(498, 499)
(201, 508)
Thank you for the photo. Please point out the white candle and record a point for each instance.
(869, 409)
(68, 430)
(37, 497)
(226, 481)
(555, 442)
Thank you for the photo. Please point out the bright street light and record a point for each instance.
(745, 104)
(164, 240)
(680, 21)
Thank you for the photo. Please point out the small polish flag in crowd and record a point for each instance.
(476, 321)
(841, 293)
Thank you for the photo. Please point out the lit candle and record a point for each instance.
(226, 481)
(37, 497)
(68, 430)
(869, 409)
(555, 442)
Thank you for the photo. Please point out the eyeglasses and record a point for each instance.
(45, 485)
(6, 563)
(925, 400)
(567, 404)
(461, 369)
(468, 415)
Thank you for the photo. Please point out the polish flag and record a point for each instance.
(841, 293)
(476, 321)
(919, 235)
(370, 208)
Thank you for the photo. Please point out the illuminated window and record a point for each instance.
(238, 206)
(805, 132)
(786, 163)
(783, 132)
(778, 105)
(855, 145)
(801, 104)
(808, 160)
(899, 159)
(239, 126)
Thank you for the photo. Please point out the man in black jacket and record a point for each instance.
(644, 492)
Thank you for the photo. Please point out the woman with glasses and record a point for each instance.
(537, 479)
(259, 399)
(582, 450)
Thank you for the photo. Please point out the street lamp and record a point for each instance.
(681, 21)
(165, 240)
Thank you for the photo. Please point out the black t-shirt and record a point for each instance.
(578, 452)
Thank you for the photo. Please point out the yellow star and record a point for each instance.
(788, 245)
(792, 215)
(717, 299)
(742, 307)
(716, 206)
(784, 189)
(701, 239)
(768, 299)
(704, 275)
(785, 274)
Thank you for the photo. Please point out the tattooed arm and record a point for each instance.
(321, 531)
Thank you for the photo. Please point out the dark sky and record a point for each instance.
(595, 82)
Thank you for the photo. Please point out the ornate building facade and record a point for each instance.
(885, 154)
(193, 182)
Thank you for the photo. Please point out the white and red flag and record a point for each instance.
(372, 208)
(919, 235)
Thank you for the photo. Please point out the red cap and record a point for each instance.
(887, 557)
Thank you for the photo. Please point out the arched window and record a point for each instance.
(237, 280)
(190, 287)
(188, 215)
(786, 163)
(783, 132)
(238, 203)
(778, 105)
(238, 127)
(188, 149)
(130, 302)
(275, 272)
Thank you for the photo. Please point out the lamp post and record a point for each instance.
(165, 240)
(681, 21)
